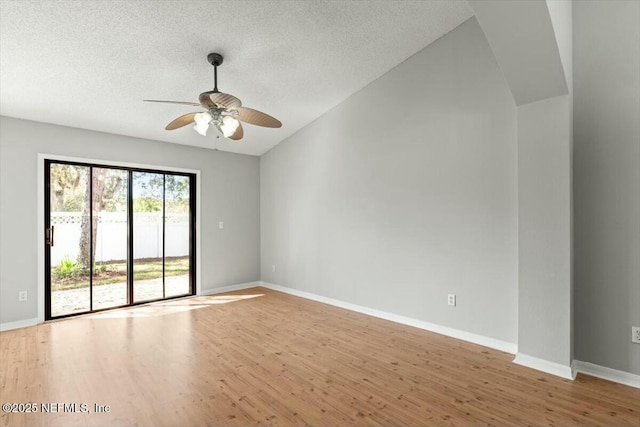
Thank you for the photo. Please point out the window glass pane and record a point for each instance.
(177, 236)
(70, 252)
(148, 253)
(110, 262)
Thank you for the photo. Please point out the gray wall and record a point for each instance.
(230, 193)
(544, 223)
(607, 181)
(532, 43)
(404, 193)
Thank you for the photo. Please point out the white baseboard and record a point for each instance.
(605, 373)
(18, 324)
(558, 369)
(439, 329)
(237, 287)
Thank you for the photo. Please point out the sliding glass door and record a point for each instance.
(116, 237)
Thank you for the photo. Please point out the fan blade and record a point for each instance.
(205, 100)
(238, 134)
(224, 99)
(181, 121)
(258, 118)
(195, 104)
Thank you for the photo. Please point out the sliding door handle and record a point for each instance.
(49, 236)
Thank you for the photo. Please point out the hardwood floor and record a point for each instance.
(260, 357)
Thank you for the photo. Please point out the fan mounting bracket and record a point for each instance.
(214, 59)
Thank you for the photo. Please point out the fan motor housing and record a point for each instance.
(214, 59)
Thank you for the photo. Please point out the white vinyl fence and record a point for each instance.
(111, 240)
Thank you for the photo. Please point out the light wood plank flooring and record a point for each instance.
(259, 357)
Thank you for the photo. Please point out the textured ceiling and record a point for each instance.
(89, 64)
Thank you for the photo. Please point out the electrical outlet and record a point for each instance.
(635, 334)
(22, 296)
(451, 299)
(273, 268)
(221, 225)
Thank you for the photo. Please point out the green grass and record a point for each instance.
(116, 272)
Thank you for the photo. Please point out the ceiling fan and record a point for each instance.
(224, 111)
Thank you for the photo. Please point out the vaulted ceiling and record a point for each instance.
(89, 64)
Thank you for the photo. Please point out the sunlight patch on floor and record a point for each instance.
(170, 307)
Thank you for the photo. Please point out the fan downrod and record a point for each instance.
(214, 59)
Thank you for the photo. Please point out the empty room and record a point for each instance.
(320, 213)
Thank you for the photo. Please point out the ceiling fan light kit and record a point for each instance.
(229, 126)
(223, 111)
(202, 121)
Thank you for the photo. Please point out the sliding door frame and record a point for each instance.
(44, 271)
